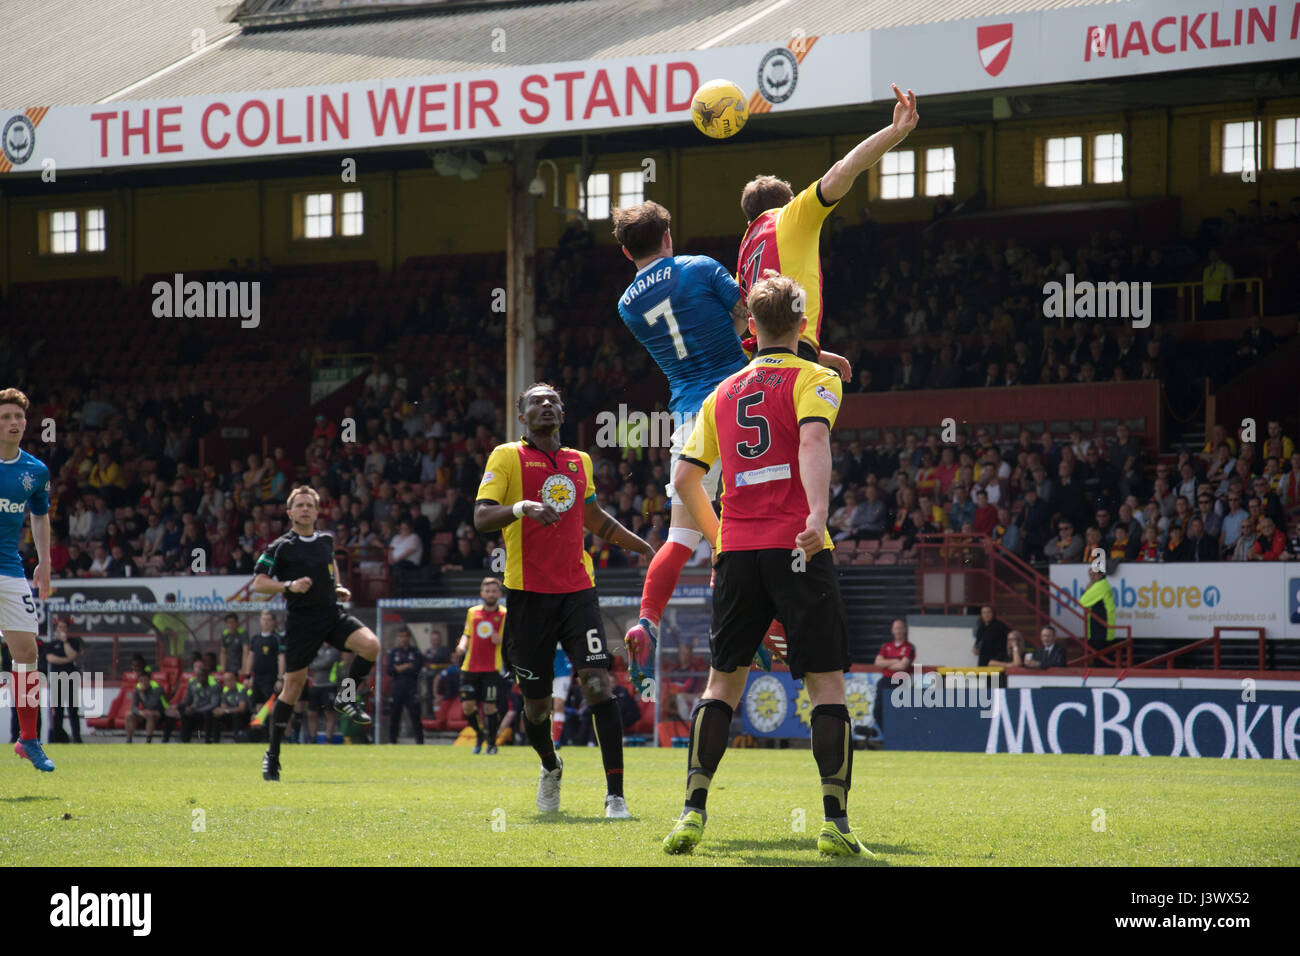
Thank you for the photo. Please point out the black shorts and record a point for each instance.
(753, 587)
(321, 699)
(306, 631)
(536, 622)
(263, 687)
(481, 685)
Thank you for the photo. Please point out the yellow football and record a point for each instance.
(719, 109)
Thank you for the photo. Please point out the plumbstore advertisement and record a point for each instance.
(1191, 600)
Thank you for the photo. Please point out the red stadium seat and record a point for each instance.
(115, 719)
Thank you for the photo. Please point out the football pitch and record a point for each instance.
(198, 805)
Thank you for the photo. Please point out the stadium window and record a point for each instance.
(631, 188)
(1064, 162)
(940, 171)
(898, 175)
(1108, 158)
(1286, 152)
(318, 210)
(353, 214)
(63, 232)
(594, 196)
(1240, 141)
(96, 232)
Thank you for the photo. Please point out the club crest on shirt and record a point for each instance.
(28, 480)
(558, 492)
(827, 396)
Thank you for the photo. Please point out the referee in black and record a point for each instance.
(300, 565)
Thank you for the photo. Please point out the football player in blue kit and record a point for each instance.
(687, 311)
(24, 486)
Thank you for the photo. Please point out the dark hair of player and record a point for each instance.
(763, 193)
(11, 396)
(302, 490)
(640, 229)
(519, 399)
(776, 302)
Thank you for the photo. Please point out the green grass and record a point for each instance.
(132, 806)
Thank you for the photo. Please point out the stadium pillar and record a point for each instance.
(521, 272)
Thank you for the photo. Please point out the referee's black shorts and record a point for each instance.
(536, 622)
(306, 630)
(753, 587)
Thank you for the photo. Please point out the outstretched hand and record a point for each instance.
(905, 114)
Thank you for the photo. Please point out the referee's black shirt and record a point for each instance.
(292, 556)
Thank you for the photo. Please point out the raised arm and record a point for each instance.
(839, 179)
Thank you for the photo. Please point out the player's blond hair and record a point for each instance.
(490, 580)
(12, 396)
(302, 490)
(763, 193)
(777, 304)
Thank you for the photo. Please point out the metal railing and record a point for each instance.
(996, 572)
(1214, 642)
(1187, 293)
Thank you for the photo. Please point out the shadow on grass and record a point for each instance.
(758, 852)
(314, 783)
(564, 816)
(29, 798)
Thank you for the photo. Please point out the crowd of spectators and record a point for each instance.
(970, 313)
(132, 498)
(1056, 500)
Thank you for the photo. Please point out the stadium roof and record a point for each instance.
(141, 50)
(59, 52)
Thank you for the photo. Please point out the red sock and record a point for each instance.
(557, 728)
(665, 569)
(26, 687)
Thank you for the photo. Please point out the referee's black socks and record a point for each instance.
(359, 669)
(608, 724)
(280, 717)
(832, 745)
(493, 725)
(710, 728)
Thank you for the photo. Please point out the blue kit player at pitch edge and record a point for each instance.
(24, 486)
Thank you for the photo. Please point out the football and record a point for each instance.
(719, 109)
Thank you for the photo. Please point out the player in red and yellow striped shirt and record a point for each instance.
(769, 424)
(543, 496)
(784, 230)
(480, 647)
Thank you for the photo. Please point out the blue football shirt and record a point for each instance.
(679, 308)
(24, 484)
